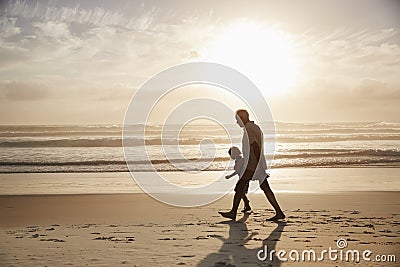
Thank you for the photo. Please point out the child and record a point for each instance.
(235, 154)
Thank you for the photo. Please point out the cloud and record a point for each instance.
(376, 93)
(385, 55)
(350, 55)
(67, 54)
(96, 16)
(329, 100)
(74, 47)
(56, 30)
(23, 91)
(8, 27)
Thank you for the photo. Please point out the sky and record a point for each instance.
(74, 62)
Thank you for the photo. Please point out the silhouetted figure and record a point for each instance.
(235, 154)
(270, 243)
(232, 247)
(234, 252)
(253, 152)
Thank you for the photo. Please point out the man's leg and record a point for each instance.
(271, 198)
(246, 203)
(245, 199)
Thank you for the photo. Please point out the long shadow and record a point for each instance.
(233, 251)
(270, 243)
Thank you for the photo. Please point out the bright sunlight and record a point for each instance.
(263, 54)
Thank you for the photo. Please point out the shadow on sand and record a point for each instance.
(233, 251)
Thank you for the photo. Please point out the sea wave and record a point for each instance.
(82, 167)
(98, 148)
(105, 142)
(117, 141)
(313, 158)
(116, 130)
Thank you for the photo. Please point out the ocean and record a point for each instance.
(98, 148)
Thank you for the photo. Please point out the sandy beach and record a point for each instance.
(135, 230)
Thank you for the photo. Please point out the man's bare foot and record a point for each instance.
(229, 215)
(277, 217)
(246, 209)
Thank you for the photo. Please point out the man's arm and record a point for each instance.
(255, 148)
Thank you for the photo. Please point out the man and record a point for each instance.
(253, 153)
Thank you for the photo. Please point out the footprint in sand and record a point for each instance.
(167, 238)
(368, 233)
(104, 238)
(53, 240)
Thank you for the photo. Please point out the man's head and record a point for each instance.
(242, 117)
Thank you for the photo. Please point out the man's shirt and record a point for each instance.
(253, 134)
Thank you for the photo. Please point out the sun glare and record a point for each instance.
(263, 54)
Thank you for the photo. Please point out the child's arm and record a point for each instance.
(231, 175)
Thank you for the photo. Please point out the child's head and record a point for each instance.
(234, 152)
